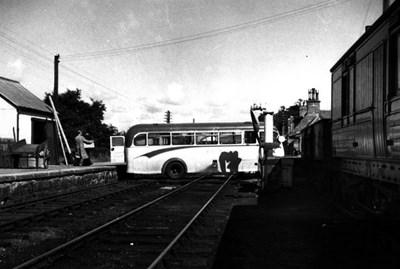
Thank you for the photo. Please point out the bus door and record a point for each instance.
(117, 149)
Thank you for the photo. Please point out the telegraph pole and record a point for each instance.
(167, 116)
(55, 91)
(55, 98)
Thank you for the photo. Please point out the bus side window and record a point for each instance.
(250, 137)
(207, 138)
(230, 138)
(156, 139)
(182, 139)
(140, 140)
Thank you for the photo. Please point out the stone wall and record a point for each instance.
(15, 188)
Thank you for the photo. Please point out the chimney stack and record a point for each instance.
(313, 106)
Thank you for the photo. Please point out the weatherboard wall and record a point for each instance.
(8, 119)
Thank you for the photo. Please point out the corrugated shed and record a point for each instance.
(18, 96)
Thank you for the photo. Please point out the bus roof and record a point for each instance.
(184, 127)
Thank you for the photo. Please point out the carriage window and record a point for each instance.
(230, 138)
(250, 137)
(140, 140)
(159, 139)
(182, 139)
(345, 94)
(398, 63)
(207, 138)
(396, 66)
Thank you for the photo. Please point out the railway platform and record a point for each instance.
(19, 171)
(296, 228)
(277, 232)
(17, 185)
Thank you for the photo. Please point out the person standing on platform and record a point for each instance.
(81, 156)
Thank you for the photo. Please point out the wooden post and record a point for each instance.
(61, 141)
(59, 124)
(59, 127)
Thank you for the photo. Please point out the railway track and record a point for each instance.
(180, 229)
(15, 215)
(31, 228)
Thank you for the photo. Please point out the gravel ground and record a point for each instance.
(287, 229)
(20, 246)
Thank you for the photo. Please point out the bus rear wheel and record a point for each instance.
(175, 170)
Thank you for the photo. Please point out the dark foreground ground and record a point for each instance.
(288, 229)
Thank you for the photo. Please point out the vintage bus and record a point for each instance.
(177, 149)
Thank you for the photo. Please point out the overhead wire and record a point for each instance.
(33, 74)
(105, 87)
(22, 45)
(208, 34)
(12, 50)
(13, 40)
(46, 63)
(365, 18)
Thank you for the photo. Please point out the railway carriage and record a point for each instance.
(365, 128)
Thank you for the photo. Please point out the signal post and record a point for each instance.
(266, 145)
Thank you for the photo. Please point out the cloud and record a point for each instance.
(151, 109)
(174, 95)
(211, 104)
(128, 24)
(17, 67)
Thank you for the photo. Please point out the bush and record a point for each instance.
(100, 154)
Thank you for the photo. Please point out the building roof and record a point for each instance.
(304, 123)
(19, 97)
(326, 114)
(309, 120)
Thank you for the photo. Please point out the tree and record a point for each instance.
(76, 114)
(282, 116)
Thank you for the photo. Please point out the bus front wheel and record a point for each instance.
(175, 170)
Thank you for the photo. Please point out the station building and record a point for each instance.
(311, 113)
(24, 117)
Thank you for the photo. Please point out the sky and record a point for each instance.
(203, 60)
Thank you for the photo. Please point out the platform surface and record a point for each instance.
(6, 172)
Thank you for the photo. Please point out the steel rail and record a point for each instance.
(89, 235)
(68, 206)
(162, 255)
